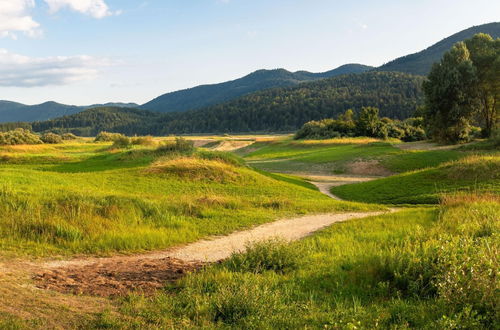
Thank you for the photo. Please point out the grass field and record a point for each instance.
(392, 271)
(86, 198)
(336, 156)
(472, 174)
(432, 267)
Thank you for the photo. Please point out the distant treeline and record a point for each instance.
(397, 95)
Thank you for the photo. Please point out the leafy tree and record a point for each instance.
(485, 56)
(451, 95)
(368, 123)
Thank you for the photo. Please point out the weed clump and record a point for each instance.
(274, 255)
(108, 137)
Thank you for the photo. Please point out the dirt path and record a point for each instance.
(326, 182)
(150, 271)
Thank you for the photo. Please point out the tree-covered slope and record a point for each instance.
(18, 112)
(397, 95)
(207, 95)
(420, 63)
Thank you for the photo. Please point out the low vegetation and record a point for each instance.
(100, 201)
(419, 268)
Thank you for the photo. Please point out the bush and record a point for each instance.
(19, 136)
(122, 142)
(108, 137)
(69, 136)
(275, 255)
(143, 141)
(51, 138)
(180, 145)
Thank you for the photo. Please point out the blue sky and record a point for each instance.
(94, 51)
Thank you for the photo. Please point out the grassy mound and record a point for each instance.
(478, 173)
(196, 169)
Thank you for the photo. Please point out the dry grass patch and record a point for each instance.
(195, 169)
(474, 167)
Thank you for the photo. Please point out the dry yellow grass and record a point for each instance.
(195, 169)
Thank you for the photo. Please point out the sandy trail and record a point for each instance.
(148, 272)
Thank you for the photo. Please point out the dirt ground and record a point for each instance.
(120, 275)
(115, 277)
(367, 167)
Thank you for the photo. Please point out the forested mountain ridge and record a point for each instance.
(15, 112)
(420, 63)
(207, 95)
(397, 95)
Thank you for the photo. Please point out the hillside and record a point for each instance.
(286, 109)
(279, 109)
(18, 112)
(420, 63)
(207, 95)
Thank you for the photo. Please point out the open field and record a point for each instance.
(86, 200)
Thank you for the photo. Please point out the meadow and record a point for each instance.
(414, 268)
(87, 198)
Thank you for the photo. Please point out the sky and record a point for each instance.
(96, 51)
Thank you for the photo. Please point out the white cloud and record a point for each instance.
(94, 8)
(14, 18)
(23, 71)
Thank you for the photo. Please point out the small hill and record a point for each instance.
(420, 63)
(207, 95)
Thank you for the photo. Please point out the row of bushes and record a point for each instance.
(366, 123)
(24, 136)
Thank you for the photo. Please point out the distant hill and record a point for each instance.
(278, 109)
(420, 63)
(206, 95)
(18, 112)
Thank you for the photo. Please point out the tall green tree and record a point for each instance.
(451, 95)
(485, 56)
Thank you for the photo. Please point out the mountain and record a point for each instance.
(273, 110)
(420, 63)
(206, 95)
(18, 112)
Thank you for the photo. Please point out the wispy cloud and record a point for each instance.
(14, 18)
(94, 8)
(23, 71)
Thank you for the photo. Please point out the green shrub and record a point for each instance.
(51, 138)
(143, 141)
(122, 142)
(108, 137)
(69, 136)
(180, 145)
(19, 136)
(275, 255)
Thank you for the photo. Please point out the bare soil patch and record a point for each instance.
(367, 167)
(115, 277)
(232, 145)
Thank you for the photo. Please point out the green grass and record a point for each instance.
(475, 173)
(334, 156)
(419, 268)
(85, 198)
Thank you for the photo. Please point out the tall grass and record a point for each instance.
(419, 268)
